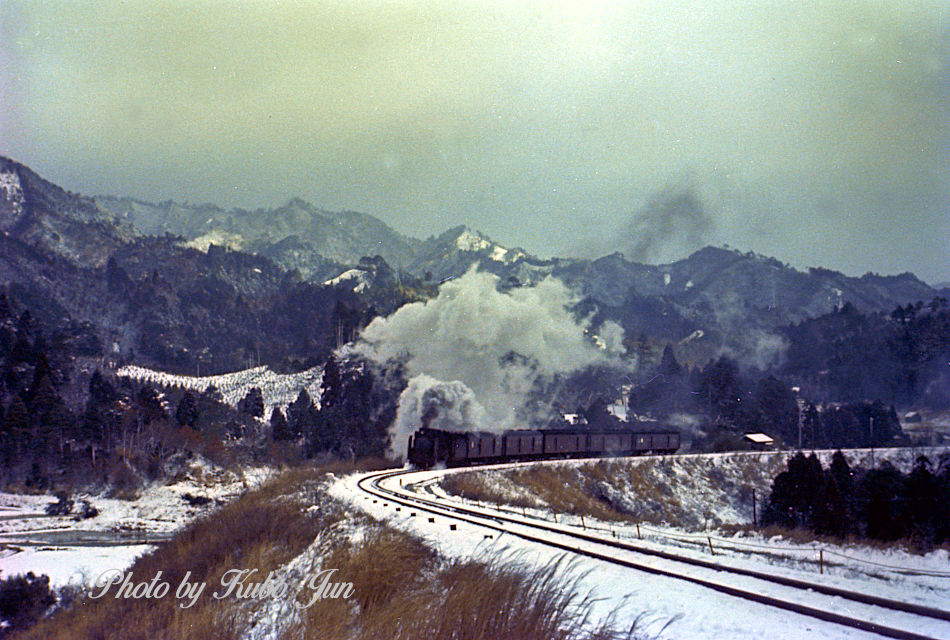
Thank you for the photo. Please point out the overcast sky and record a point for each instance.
(816, 132)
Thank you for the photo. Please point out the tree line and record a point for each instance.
(881, 503)
(733, 401)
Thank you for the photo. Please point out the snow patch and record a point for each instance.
(279, 390)
(473, 241)
(59, 546)
(217, 238)
(470, 241)
(12, 190)
(358, 275)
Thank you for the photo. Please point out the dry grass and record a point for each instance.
(650, 490)
(402, 589)
(565, 489)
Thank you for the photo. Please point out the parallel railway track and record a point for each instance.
(904, 620)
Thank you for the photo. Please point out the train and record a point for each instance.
(433, 447)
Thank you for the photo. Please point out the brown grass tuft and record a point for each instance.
(404, 592)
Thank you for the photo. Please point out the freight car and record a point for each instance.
(431, 447)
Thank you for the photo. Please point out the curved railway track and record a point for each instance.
(839, 606)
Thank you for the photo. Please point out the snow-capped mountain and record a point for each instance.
(453, 252)
(235, 272)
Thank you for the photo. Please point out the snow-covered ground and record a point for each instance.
(66, 549)
(279, 390)
(692, 492)
(694, 611)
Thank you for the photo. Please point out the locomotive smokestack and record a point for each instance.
(429, 415)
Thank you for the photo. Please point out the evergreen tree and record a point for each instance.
(927, 503)
(253, 403)
(17, 427)
(302, 414)
(280, 428)
(148, 405)
(779, 409)
(187, 412)
(331, 387)
(881, 503)
(101, 419)
(843, 479)
(52, 421)
(795, 493)
(668, 364)
(213, 413)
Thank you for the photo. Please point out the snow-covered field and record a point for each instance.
(279, 390)
(68, 550)
(693, 610)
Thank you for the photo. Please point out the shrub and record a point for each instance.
(23, 600)
(87, 510)
(63, 505)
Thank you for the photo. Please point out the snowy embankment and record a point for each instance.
(279, 390)
(694, 492)
(68, 550)
(697, 612)
(691, 502)
(659, 605)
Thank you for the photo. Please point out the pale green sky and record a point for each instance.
(816, 132)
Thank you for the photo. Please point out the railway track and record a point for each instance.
(866, 612)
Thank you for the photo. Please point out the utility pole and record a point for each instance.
(755, 520)
(872, 441)
(801, 418)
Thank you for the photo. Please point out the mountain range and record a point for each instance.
(165, 281)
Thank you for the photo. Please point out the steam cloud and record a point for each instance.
(474, 354)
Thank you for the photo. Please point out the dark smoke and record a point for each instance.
(671, 224)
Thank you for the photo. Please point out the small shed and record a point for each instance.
(760, 441)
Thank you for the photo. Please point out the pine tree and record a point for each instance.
(302, 414)
(17, 423)
(101, 420)
(187, 412)
(881, 503)
(331, 387)
(926, 503)
(668, 364)
(280, 428)
(253, 403)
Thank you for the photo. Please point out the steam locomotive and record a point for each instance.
(430, 447)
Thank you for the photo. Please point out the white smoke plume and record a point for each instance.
(429, 402)
(611, 333)
(498, 345)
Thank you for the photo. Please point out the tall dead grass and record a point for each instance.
(562, 488)
(401, 588)
(650, 490)
(406, 592)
